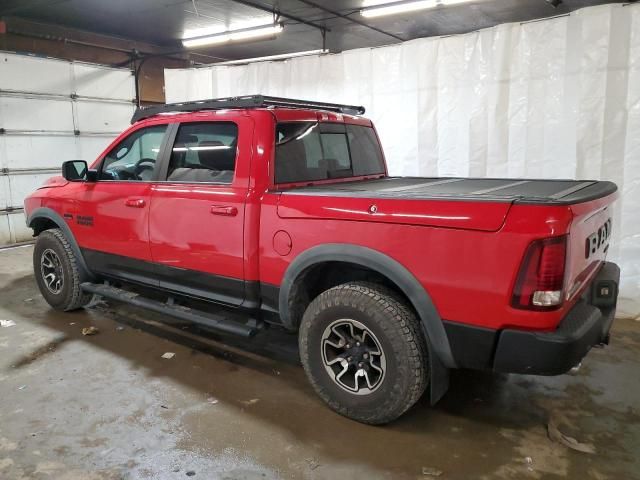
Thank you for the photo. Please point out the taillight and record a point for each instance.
(540, 281)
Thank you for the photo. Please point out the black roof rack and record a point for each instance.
(249, 101)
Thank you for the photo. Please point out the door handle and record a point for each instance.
(135, 202)
(224, 210)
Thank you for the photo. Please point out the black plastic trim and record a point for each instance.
(121, 267)
(203, 285)
(553, 353)
(270, 295)
(379, 188)
(190, 283)
(209, 319)
(164, 157)
(472, 346)
(49, 214)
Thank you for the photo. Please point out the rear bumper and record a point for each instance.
(552, 353)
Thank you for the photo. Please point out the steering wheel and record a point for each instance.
(142, 165)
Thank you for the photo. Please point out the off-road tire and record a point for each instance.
(71, 296)
(398, 331)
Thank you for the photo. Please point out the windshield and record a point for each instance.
(308, 151)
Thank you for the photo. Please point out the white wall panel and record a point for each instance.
(111, 117)
(40, 116)
(21, 185)
(101, 82)
(25, 73)
(90, 147)
(190, 84)
(5, 194)
(18, 228)
(5, 232)
(556, 98)
(36, 114)
(38, 151)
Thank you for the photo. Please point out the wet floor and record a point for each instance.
(108, 406)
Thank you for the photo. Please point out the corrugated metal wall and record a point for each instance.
(52, 111)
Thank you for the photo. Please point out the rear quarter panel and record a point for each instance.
(469, 274)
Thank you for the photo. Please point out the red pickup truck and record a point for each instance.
(244, 212)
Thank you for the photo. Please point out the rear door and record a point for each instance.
(196, 220)
(112, 214)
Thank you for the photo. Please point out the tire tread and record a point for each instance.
(77, 298)
(403, 332)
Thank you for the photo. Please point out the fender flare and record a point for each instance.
(49, 214)
(421, 301)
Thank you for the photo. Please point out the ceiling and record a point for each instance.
(163, 22)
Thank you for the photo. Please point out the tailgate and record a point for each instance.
(588, 241)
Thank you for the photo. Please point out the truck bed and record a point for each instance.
(547, 192)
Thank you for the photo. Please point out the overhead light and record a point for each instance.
(282, 56)
(406, 6)
(233, 35)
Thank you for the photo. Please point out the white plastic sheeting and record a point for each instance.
(43, 103)
(556, 98)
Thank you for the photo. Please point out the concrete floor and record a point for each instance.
(108, 407)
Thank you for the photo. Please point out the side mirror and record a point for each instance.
(77, 171)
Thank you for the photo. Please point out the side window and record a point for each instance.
(365, 150)
(204, 152)
(298, 152)
(336, 154)
(134, 158)
(307, 151)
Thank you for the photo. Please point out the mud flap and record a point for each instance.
(439, 383)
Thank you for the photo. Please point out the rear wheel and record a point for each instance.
(56, 270)
(363, 352)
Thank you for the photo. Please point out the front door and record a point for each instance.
(196, 220)
(111, 221)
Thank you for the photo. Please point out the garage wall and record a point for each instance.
(52, 111)
(556, 98)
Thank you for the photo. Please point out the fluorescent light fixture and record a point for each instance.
(380, 10)
(233, 35)
(282, 56)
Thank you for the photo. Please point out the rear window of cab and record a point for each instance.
(311, 151)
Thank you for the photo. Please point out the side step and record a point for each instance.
(210, 320)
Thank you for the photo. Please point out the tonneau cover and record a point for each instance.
(548, 192)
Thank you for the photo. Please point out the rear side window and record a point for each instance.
(204, 152)
(308, 151)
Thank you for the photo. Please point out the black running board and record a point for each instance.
(206, 319)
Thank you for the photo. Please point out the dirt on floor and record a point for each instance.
(109, 406)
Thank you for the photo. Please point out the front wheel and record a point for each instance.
(56, 270)
(363, 352)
